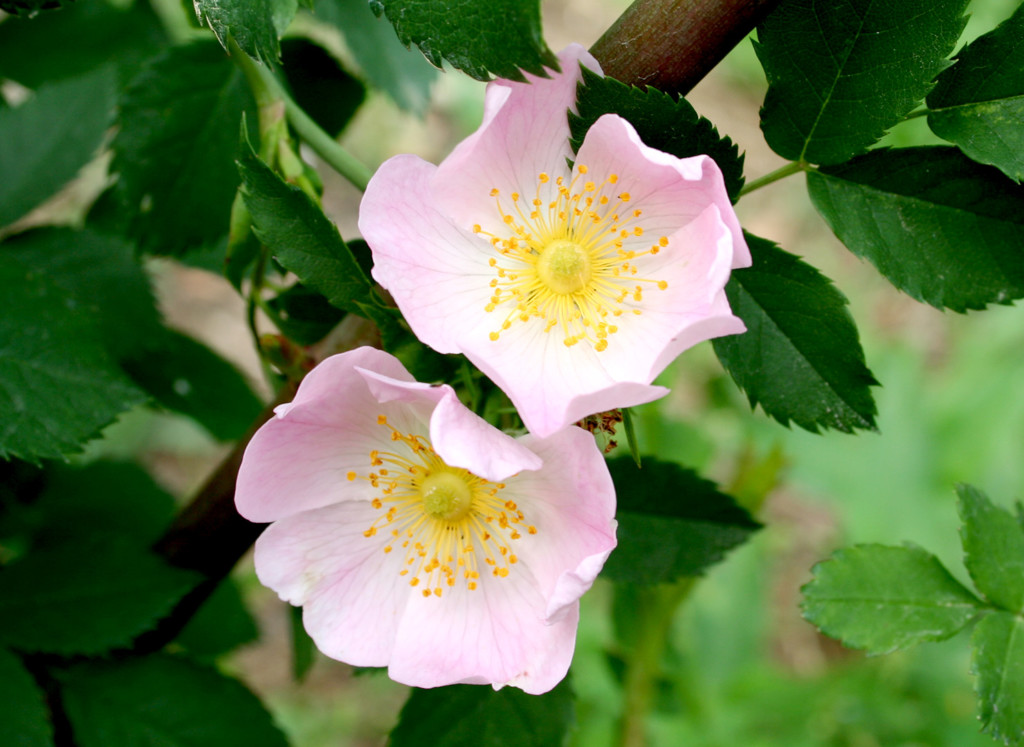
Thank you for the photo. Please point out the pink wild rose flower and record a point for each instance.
(420, 538)
(572, 290)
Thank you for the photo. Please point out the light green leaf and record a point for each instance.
(993, 548)
(881, 598)
(978, 104)
(800, 358)
(940, 227)
(46, 140)
(24, 721)
(502, 37)
(998, 663)
(58, 387)
(841, 73)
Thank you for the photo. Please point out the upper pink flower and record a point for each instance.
(571, 289)
(418, 537)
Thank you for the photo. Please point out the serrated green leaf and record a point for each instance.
(52, 47)
(254, 24)
(800, 358)
(993, 548)
(388, 65)
(24, 720)
(672, 523)
(57, 385)
(319, 85)
(978, 103)
(501, 37)
(881, 598)
(87, 596)
(185, 376)
(663, 122)
(303, 315)
(101, 273)
(472, 716)
(46, 140)
(841, 73)
(163, 700)
(940, 227)
(998, 663)
(175, 145)
(221, 624)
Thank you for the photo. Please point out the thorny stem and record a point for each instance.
(780, 173)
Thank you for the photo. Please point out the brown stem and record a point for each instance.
(673, 44)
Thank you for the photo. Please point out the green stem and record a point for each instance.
(263, 83)
(781, 173)
(653, 610)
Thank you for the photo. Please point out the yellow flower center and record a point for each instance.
(451, 523)
(563, 260)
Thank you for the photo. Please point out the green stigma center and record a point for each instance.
(445, 496)
(564, 266)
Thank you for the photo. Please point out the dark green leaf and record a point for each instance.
(800, 358)
(940, 227)
(185, 376)
(86, 596)
(57, 385)
(841, 73)
(254, 24)
(881, 598)
(221, 625)
(303, 648)
(319, 85)
(978, 104)
(478, 37)
(388, 65)
(31, 7)
(664, 122)
(166, 701)
(475, 716)
(101, 273)
(304, 315)
(998, 664)
(672, 523)
(24, 721)
(46, 140)
(993, 548)
(174, 149)
(52, 46)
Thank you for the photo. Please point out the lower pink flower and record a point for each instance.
(418, 537)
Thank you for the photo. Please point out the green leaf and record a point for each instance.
(46, 140)
(86, 596)
(30, 8)
(254, 24)
(800, 358)
(978, 104)
(881, 598)
(841, 73)
(304, 315)
(388, 65)
(24, 720)
(163, 700)
(475, 716)
(175, 146)
(502, 37)
(58, 388)
(672, 523)
(100, 272)
(303, 648)
(52, 46)
(998, 663)
(663, 122)
(221, 625)
(185, 376)
(940, 227)
(320, 85)
(993, 548)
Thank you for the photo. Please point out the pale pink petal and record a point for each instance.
(495, 634)
(350, 588)
(525, 132)
(436, 272)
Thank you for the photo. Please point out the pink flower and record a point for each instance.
(418, 537)
(574, 289)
